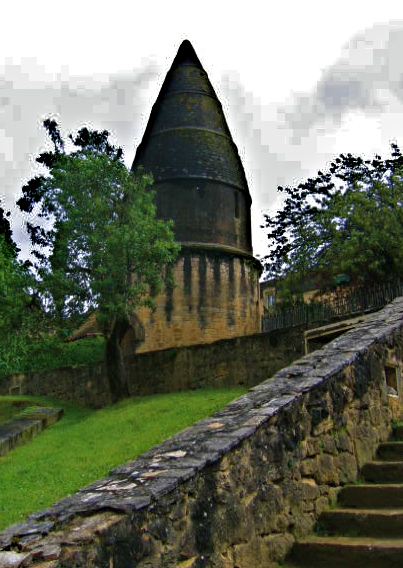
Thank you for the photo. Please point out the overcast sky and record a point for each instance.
(300, 82)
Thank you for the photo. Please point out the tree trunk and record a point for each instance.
(115, 362)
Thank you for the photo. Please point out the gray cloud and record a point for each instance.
(368, 69)
(118, 103)
(280, 144)
(260, 142)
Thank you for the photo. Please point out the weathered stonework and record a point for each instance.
(200, 185)
(216, 296)
(246, 360)
(234, 489)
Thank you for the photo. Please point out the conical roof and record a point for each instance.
(187, 135)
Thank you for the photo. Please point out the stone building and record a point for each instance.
(200, 183)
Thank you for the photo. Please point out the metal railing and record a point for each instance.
(352, 302)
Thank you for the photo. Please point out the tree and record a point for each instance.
(16, 314)
(107, 249)
(6, 232)
(32, 200)
(329, 228)
(20, 318)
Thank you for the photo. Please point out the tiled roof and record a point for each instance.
(187, 135)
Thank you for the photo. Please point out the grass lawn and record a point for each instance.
(85, 444)
(12, 405)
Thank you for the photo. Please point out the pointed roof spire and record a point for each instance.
(187, 136)
(186, 55)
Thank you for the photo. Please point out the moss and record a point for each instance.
(187, 275)
(202, 290)
(169, 301)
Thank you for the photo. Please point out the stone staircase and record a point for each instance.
(366, 529)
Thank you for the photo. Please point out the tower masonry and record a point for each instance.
(200, 183)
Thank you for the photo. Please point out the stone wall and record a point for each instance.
(239, 361)
(234, 489)
(84, 384)
(216, 296)
(242, 360)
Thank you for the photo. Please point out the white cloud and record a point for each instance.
(88, 65)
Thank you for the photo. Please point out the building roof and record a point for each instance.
(187, 135)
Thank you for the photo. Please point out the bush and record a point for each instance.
(49, 352)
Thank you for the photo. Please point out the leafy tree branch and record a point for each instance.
(347, 220)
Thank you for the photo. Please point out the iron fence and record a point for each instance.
(353, 302)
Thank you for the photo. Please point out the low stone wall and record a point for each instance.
(243, 360)
(234, 489)
(84, 384)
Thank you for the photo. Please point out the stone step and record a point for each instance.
(367, 496)
(383, 472)
(390, 451)
(378, 523)
(22, 428)
(368, 528)
(347, 552)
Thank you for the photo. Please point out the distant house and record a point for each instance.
(89, 328)
(310, 290)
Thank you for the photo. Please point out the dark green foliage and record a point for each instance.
(105, 249)
(347, 221)
(14, 406)
(6, 232)
(20, 314)
(50, 352)
(96, 142)
(34, 191)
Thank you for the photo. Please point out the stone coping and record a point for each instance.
(144, 481)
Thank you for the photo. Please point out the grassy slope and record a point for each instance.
(12, 405)
(86, 444)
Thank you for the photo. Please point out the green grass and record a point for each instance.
(51, 352)
(85, 444)
(13, 405)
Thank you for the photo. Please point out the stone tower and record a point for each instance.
(200, 184)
